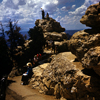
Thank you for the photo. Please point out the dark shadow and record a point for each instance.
(76, 60)
(9, 82)
(92, 31)
(90, 72)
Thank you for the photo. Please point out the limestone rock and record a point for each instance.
(92, 16)
(49, 25)
(82, 41)
(62, 79)
(52, 30)
(39, 70)
(55, 36)
(61, 46)
(92, 59)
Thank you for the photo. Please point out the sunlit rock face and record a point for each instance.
(63, 80)
(85, 44)
(92, 16)
(82, 41)
(92, 59)
(50, 25)
(52, 30)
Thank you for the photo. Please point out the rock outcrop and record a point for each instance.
(55, 36)
(92, 59)
(92, 16)
(62, 79)
(50, 25)
(85, 44)
(82, 41)
(61, 46)
(52, 30)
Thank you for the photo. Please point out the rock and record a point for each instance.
(55, 36)
(62, 98)
(62, 79)
(52, 30)
(82, 41)
(85, 44)
(91, 59)
(39, 70)
(27, 42)
(92, 16)
(61, 46)
(49, 25)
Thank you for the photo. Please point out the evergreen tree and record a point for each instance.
(2, 31)
(36, 34)
(15, 38)
(5, 61)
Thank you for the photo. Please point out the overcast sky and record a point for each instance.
(67, 12)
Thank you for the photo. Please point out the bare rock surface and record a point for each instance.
(85, 46)
(65, 80)
(91, 17)
(52, 30)
(82, 41)
(50, 25)
(92, 59)
(55, 36)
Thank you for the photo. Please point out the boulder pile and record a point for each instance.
(52, 30)
(85, 44)
(50, 25)
(63, 80)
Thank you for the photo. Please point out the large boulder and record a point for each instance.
(82, 41)
(92, 16)
(50, 25)
(62, 79)
(92, 59)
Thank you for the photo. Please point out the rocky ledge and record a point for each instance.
(50, 25)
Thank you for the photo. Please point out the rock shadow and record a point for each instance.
(90, 72)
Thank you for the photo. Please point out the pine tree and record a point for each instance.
(36, 34)
(15, 38)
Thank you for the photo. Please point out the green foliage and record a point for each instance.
(36, 34)
(15, 38)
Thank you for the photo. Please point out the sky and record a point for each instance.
(26, 12)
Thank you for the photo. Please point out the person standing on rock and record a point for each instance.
(43, 14)
(53, 46)
(47, 16)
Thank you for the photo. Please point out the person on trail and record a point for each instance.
(53, 46)
(40, 56)
(27, 75)
(3, 86)
(35, 59)
(46, 44)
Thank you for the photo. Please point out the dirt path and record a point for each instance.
(16, 91)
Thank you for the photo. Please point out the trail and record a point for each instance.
(16, 91)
